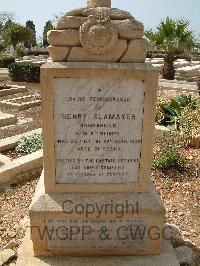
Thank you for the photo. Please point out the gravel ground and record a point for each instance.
(14, 206)
(180, 193)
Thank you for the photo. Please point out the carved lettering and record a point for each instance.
(98, 130)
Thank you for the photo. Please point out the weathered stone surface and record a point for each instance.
(129, 29)
(172, 233)
(185, 255)
(76, 12)
(98, 3)
(69, 22)
(107, 71)
(98, 36)
(7, 119)
(162, 131)
(58, 53)
(114, 13)
(171, 230)
(129, 128)
(13, 90)
(80, 54)
(91, 243)
(6, 255)
(166, 258)
(63, 37)
(54, 209)
(177, 241)
(136, 52)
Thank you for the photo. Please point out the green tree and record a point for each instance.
(14, 33)
(31, 25)
(4, 18)
(2, 47)
(174, 38)
(47, 27)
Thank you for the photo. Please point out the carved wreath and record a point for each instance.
(98, 35)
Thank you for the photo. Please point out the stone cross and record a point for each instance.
(99, 3)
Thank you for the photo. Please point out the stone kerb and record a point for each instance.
(22, 168)
(14, 89)
(7, 119)
(193, 142)
(11, 142)
(28, 103)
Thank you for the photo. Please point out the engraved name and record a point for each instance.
(123, 116)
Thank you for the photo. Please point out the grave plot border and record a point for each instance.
(22, 106)
(21, 168)
(13, 90)
(164, 131)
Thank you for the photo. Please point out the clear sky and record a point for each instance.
(150, 12)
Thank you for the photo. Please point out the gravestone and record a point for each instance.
(95, 197)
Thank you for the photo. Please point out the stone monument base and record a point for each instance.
(96, 224)
(166, 258)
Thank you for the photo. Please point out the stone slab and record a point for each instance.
(134, 222)
(64, 37)
(20, 106)
(122, 155)
(58, 53)
(4, 159)
(111, 73)
(129, 29)
(13, 90)
(162, 131)
(77, 12)
(136, 51)
(4, 71)
(69, 22)
(166, 258)
(10, 142)
(79, 54)
(177, 85)
(7, 119)
(14, 170)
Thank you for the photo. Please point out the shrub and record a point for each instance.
(170, 160)
(36, 53)
(170, 114)
(196, 56)
(6, 61)
(170, 156)
(155, 54)
(26, 72)
(189, 122)
(30, 143)
(20, 52)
